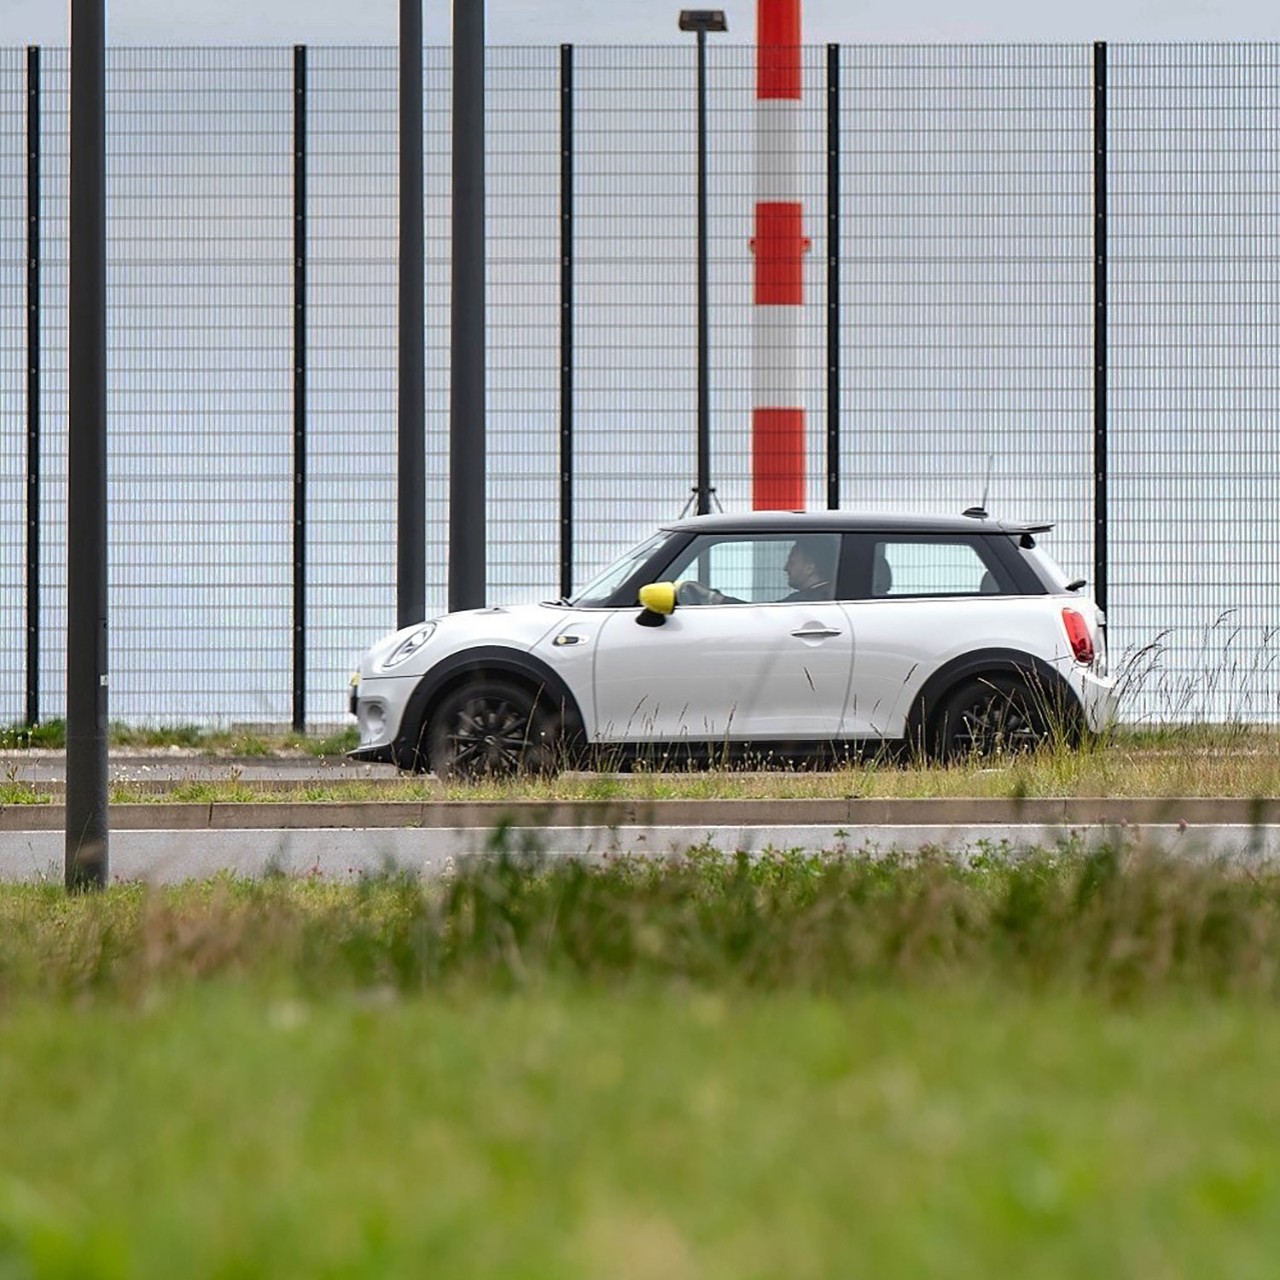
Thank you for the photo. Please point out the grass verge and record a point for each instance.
(1195, 760)
(1120, 923)
(1246, 770)
(1058, 1067)
(249, 743)
(664, 1136)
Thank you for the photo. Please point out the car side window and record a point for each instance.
(733, 569)
(933, 567)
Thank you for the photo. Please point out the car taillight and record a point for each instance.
(1078, 634)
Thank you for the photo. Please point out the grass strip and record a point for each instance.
(1054, 1066)
(1110, 922)
(650, 1134)
(1247, 769)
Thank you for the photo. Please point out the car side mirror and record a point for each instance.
(657, 600)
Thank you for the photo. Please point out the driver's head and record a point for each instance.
(810, 562)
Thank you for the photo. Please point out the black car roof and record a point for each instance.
(794, 522)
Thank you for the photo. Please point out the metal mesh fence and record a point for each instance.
(967, 228)
(199, 381)
(965, 332)
(13, 378)
(523, 281)
(352, 156)
(54, 213)
(1195, 305)
(634, 344)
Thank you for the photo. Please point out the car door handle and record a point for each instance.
(815, 633)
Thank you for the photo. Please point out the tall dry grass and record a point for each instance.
(1119, 923)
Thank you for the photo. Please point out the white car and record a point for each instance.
(765, 635)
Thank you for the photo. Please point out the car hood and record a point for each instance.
(518, 627)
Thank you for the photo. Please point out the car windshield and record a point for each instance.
(599, 591)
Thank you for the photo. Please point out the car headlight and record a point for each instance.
(409, 645)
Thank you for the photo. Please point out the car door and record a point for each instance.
(754, 665)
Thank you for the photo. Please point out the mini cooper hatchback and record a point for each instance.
(764, 636)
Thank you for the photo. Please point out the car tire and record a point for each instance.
(988, 716)
(491, 728)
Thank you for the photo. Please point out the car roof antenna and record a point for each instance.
(980, 512)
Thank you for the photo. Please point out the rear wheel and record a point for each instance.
(993, 715)
(491, 728)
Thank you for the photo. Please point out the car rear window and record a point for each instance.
(932, 567)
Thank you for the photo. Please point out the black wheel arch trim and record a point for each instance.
(987, 662)
(489, 660)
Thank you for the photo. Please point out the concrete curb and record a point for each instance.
(348, 855)
(850, 813)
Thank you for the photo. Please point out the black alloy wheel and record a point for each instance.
(994, 715)
(491, 728)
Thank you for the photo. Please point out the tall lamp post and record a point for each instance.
(703, 21)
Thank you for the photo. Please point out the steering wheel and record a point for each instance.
(693, 592)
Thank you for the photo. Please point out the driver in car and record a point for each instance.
(810, 569)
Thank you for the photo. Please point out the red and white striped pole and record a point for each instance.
(779, 245)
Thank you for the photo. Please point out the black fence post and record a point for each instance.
(33, 385)
(1100, 322)
(86, 862)
(299, 387)
(566, 320)
(833, 276)
(411, 401)
(468, 397)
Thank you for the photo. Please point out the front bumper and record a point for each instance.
(378, 704)
(378, 753)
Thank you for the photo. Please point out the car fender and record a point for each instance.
(489, 660)
(984, 662)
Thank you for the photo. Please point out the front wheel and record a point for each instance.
(491, 728)
(994, 715)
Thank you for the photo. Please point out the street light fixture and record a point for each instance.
(702, 21)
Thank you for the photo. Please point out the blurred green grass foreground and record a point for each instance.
(1058, 1065)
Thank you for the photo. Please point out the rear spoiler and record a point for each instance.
(1026, 533)
(1026, 530)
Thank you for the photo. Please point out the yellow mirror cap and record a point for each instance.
(659, 597)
